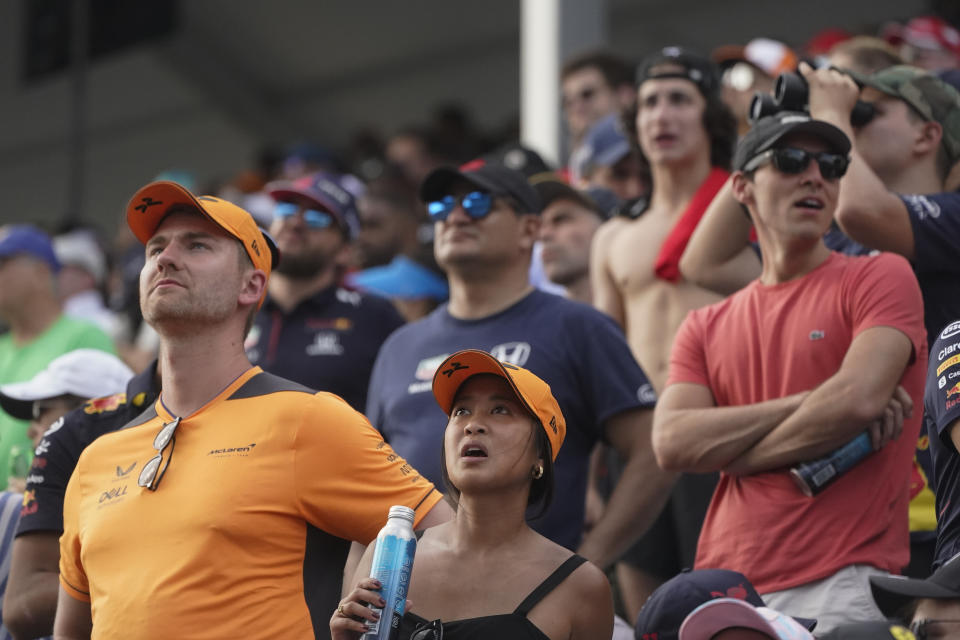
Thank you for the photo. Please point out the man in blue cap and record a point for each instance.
(606, 159)
(39, 331)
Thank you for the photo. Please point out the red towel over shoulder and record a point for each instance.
(668, 261)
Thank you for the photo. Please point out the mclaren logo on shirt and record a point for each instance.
(233, 452)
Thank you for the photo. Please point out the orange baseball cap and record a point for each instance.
(533, 392)
(150, 204)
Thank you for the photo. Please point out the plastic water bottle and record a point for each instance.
(813, 477)
(392, 566)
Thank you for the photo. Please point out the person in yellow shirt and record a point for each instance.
(195, 517)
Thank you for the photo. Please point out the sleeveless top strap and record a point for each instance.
(548, 585)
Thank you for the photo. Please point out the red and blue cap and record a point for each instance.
(335, 193)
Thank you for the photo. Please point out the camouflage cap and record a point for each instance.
(930, 96)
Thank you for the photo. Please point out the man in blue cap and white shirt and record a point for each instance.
(39, 331)
(606, 159)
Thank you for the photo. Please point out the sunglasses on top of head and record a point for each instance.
(475, 204)
(790, 160)
(313, 218)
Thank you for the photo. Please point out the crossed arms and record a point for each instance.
(690, 433)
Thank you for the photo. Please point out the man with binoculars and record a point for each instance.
(905, 127)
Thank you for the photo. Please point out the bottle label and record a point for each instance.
(392, 566)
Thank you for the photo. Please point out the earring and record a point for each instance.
(538, 471)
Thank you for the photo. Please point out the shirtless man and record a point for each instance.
(687, 134)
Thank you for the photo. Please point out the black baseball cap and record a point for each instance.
(668, 606)
(692, 66)
(495, 179)
(514, 155)
(893, 593)
(597, 199)
(767, 132)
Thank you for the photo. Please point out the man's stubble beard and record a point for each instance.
(191, 312)
(303, 266)
(564, 275)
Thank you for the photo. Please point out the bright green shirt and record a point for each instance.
(21, 363)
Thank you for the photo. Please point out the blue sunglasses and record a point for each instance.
(476, 204)
(314, 218)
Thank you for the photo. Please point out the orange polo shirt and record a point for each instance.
(217, 550)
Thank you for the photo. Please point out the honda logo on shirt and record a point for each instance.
(516, 353)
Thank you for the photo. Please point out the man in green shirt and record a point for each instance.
(39, 332)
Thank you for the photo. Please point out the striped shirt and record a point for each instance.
(9, 517)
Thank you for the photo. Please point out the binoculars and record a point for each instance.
(790, 93)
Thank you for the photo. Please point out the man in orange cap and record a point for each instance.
(266, 469)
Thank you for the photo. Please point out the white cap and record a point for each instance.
(88, 373)
(714, 616)
(80, 249)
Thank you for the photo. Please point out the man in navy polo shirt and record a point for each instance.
(310, 329)
(486, 222)
(941, 403)
(894, 197)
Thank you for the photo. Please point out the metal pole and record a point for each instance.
(539, 77)
(551, 31)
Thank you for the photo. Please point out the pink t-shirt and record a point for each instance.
(767, 342)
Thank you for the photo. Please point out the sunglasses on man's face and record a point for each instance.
(475, 204)
(793, 161)
(313, 218)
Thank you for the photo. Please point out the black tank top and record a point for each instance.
(505, 626)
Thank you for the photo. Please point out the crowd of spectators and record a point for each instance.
(744, 309)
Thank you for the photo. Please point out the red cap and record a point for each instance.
(930, 32)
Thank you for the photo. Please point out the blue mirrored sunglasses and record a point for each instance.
(476, 204)
(314, 218)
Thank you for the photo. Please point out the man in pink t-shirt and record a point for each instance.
(820, 349)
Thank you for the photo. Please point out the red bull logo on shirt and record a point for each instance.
(109, 403)
(952, 391)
